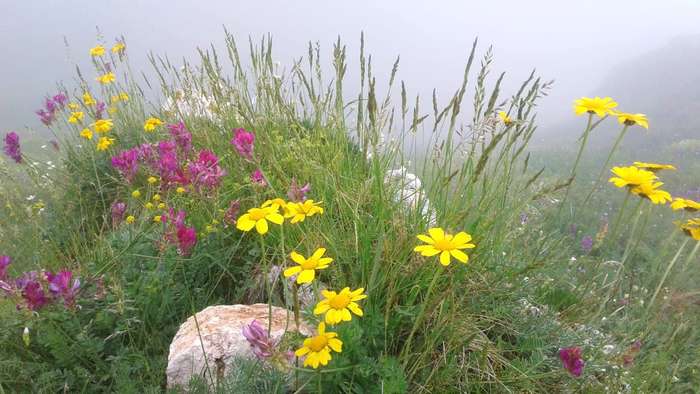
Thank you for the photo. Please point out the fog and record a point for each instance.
(575, 43)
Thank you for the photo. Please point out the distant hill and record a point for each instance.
(664, 84)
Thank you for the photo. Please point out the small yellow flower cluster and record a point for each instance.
(151, 124)
(107, 78)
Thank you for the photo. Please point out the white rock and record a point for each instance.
(217, 333)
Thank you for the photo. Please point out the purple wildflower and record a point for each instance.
(46, 117)
(206, 172)
(100, 109)
(5, 261)
(32, 291)
(296, 193)
(60, 286)
(182, 136)
(118, 210)
(243, 141)
(60, 99)
(12, 148)
(259, 341)
(571, 358)
(587, 244)
(186, 239)
(127, 162)
(257, 178)
(231, 214)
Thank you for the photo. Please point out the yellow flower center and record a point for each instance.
(340, 301)
(309, 264)
(443, 245)
(318, 343)
(257, 214)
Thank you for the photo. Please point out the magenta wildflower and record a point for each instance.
(118, 210)
(186, 239)
(243, 141)
(32, 291)
(46, 117)
(571, 358)
(259, 341)
(587, 244)
(60, 286)
(12, 148)
(257, 178)
(5, 261)
(127, 163)
(182, 136)
(205, 172)
(231, 214)
(100, 109)
(60, 99)
(296, 193)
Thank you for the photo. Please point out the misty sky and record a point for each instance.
(575, 43)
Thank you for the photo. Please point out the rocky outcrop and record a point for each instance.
(209, 345)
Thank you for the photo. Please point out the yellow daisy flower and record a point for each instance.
(157, 219)
(123, 96)
(632, 119)
(686, 204)
(98, 50)
(318, 349)
(73, 106)
(692, 228)
(180, 190)
(161, 205)
(152, 180)
(130, 219)
(136, 194)
(446, 245)
(306, 268)
(299, 211)
(652, 192)
(148, 205)
(88, 100)
(107, 78)
(86, 133)
(76, 117)
(156, 197)
(631, 176)
(504, 118)
(337, 306)
(118, 47)
(103, 125)
(151, 124)
(104, 143)
(598, 106)
(653, 167)
(258, 218)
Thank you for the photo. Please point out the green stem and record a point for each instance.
(668, 270)
(691, 256)
(419, 319)
(268, 287)
(620, 215)
(584, 138)
(619, 139)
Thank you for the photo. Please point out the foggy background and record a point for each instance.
(643, 53)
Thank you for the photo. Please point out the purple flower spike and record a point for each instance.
(587, 244)
(60, 99)
(257, 178)
(12, 148)
(243, 141)
(118, 210)
(206, 172)
(60, 286)
(260, 343)
(186, 239)
(571, 358)
(296, 193)
(182, 136)
(5, 261)
(32, 292)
